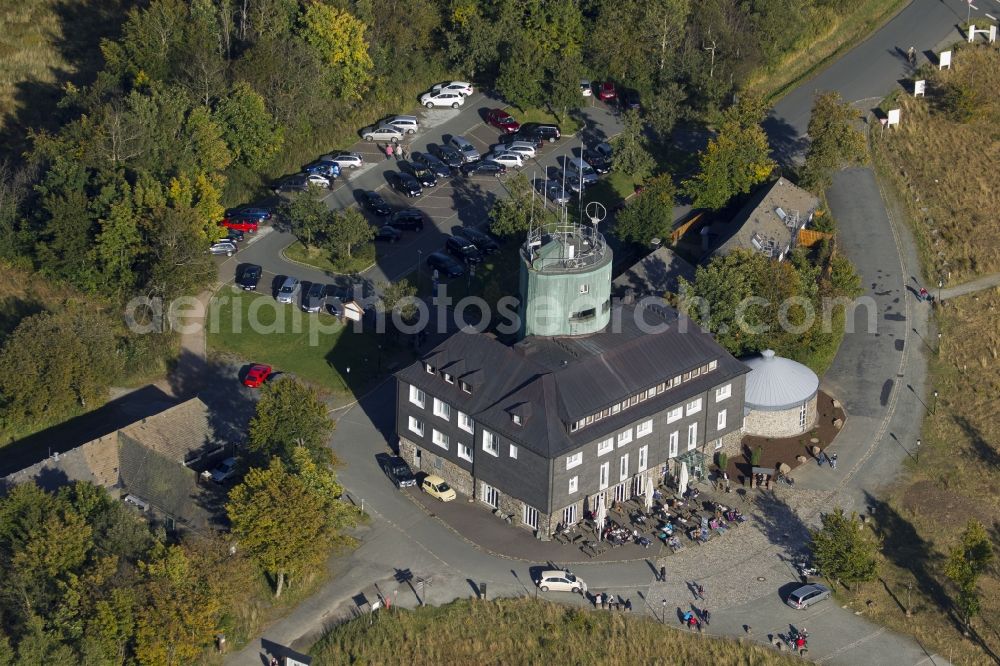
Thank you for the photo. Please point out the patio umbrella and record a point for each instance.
(602, 515)
(649, 494)
(682, 482)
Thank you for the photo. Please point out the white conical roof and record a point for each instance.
(777, 383)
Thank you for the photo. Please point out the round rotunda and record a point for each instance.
(780, 396)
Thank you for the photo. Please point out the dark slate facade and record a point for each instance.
(541, 395)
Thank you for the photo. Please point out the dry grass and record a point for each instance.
(27, 51)
(522, 631)
(946, 171)
(830, 36)
(955, 478)
(24, 293)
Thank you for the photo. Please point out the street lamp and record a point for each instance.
(934, 407)
(664, 619)
(939, 344)
(940, 284)
(917, 452)
(380, 357)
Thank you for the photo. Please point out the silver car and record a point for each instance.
(807, 595)
(344, 159)
(578, 166)
(465, 149)
(382, 133)
(289, 288)
(225, 247)
(552, 189)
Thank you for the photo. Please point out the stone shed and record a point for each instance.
(780, 396)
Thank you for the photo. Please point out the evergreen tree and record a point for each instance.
(844, 549)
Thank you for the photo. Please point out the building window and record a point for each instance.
(513, 452)
(489, 495)
(465, 422)
(692, 436)
(574, 426)
(675, 414)
(429, 368)
(416, 426)
(491, 443)
(694, 407)
(623, 468)
(615, 408)
(718, 444)
(633, 401)
(686, 376)
(625, 437)
(442, 409)
(440, 439)
(574, 460)
(723, 392)
(695, 373)
(644, 428)
(574, 484)
(643, 456)
(675, 381)
(465, 452)
(802, 416)
(417, 397)
(584, 288)
(529, 515)
(721, 420)
(651, 392)
(516, 418)
(604, 474)
(606, 446)
(712, 365)
(569, 515)
(448, 378)
(674, 439)
(465, 386)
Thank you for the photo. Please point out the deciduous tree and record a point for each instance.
(346, 231)
(249, 129)
(338, 38)
(834, 141)
(649, 214)
(966, 563)
(631, 156)
(289, 414)
(516, 213)
(306, 215)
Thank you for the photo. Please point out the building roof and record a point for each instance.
(564, 379)
(767, 223)
(653, 275)
(777, 383)
(182, 433)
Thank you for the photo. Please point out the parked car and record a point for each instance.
(629, 100)
(258, 213)
(484, 168)
(249, 277)
(312, 299)
(483, 242)
(225, 247)
(289, 288)
(405, 184)
(547, 131)
(460, 87)
(257, 375)
(405, 124)
(502, 121)
(407, 219)
(234, 236)
(319, 180)
(224, 471)
(436, 166)
(328, 170)
(599, 157)
(445, 265)
(241, 224)
(448, 155)
(387, 234)
(553, 189)
(296, 183)
(558, 580)
(382, 133)
(374, 202)
(399, 472)
(508, 158)
(606, 92)
(423, 175)
(462, 248)
(578, 166)
(572, 182)
(525, 149)
(807, 595)
(344, 159)
(529, 136)
(436, 487)
(585, 88)
(442, 98)
(465, 149)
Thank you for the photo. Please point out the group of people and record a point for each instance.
(398, 150)
(608, 601)
(692, 620)
(830, 459)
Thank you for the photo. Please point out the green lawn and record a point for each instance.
(319, 258)
(497, 276)
(315, 347)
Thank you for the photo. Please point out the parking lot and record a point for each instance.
(458, 201)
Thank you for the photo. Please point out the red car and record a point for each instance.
(502, 121)
(257, 375)
(243, 224)
(606, 92)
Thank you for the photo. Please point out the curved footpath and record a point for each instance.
(879, 375)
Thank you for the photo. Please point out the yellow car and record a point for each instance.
(435, 486)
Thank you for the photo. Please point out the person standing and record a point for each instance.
(700, 591)
(388, 151)
(598, 600)
(833, 460)
(706, 616)
(663, 574)
(399, 152)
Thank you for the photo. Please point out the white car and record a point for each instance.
(224, 471)
(523, 148)
(443, 98)
(507, 158)
(382, 133)
(585, 88)
(461, 87)
(560, 581)
(316, 179)
(345, 160)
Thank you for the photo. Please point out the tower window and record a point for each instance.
(583, 315)
(584, 288)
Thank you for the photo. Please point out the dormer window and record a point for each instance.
(465, 386)
(516, 418)
(448, 378)
(429, 368)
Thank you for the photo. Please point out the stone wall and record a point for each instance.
(430, 462)
(783, 423)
